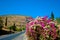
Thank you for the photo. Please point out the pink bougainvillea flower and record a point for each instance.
(31, 23)
(30, 18)
(53, 34)
(35, 21)
(31, 28)
(42, 26)
(48, 20)
(44, 18)
(27, 27)
(46, 28)
(52, 25)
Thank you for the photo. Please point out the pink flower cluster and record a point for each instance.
(41, 26)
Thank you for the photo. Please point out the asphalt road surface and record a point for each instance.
(16, 36)
(20, 37)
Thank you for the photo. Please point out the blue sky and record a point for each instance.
(30, 7)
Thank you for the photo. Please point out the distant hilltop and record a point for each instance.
(14, 15)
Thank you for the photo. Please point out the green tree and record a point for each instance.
(10, 28)
(23, 27)
(1, 23)
(52, 16)
(58, 20)
(14, 27)
(6, 22)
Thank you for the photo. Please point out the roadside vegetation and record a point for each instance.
(13, 28)
(9, 29)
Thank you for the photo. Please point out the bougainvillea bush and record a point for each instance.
(42, 28)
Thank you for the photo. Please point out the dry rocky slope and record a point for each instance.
(19, 20)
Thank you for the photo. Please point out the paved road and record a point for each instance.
(20, 37)
(16, 36)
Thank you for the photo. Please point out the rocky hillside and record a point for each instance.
(10, 20)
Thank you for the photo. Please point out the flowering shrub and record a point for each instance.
(41, 29)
